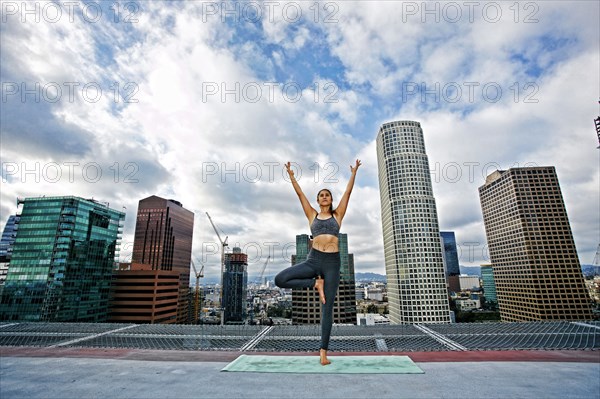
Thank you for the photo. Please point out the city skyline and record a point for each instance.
(225, 156)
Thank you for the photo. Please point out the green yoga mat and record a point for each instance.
(310, 364)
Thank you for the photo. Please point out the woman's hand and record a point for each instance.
(289, 169)
(355, 168)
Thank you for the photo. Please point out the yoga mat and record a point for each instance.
(310, 364)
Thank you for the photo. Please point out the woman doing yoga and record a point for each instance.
(321, 269)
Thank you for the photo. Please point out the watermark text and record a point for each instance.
(54, 172)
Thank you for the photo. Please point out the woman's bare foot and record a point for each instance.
(319, 284)
(323, 355)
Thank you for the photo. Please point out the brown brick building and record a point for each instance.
(142, 295)
(163, 242)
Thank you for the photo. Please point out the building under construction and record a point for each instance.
(235, 282)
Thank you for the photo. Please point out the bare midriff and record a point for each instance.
(326, 243)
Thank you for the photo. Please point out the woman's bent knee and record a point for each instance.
(279, 280)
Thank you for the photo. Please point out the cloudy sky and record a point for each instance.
(205, 102)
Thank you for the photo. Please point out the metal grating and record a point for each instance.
(46, 334)
(395, 338)
(533, 335)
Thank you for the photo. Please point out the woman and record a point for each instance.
(322, 268)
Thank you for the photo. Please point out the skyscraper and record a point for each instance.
(450, 253)
(163, 240)
(6, 246)
(346, 296)
(142, 295)
(489, 285)
(411, 236)
(533, 255)
(62, 261)
(306, 306)
(235, 283)
(8, 237)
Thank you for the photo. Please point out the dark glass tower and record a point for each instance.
(450, 253)
(6, 246)
(62, 261)
(306, 306)
(8, 237)
(489, 285)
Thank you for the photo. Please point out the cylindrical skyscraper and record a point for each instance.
(411, 236)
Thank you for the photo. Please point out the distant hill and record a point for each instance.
(470, 270)
(366, 277)
(590, 270)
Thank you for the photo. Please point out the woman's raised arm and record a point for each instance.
(343, 205)
(309, 211)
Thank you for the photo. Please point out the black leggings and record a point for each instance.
(302, 275)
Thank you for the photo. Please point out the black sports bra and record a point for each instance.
(324, 226)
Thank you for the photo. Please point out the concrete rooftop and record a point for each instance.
(491, 360)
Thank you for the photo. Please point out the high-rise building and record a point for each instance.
(489, 285)
(533, 255)
(6, 246)
(450, 253)
(346, 296)
(413, 252)
(62, 261)
(8, 237)
(142, 295)
(306, 306)
(163, 240)
(235, 283)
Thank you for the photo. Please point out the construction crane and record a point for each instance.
(596, 122)
(262, 271)
(197, 294)
(258, 281)
(223, 245)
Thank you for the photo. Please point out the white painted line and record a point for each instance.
(381, 345)
(440, 338)
(584, 324)
(91, 336)
(7, 325)
(252, 343)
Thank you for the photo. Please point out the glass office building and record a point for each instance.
(450, 253)
(414, 266)
(6, 246)
(489, 285)
(8, 237)
(306, 306)
(62, 260)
